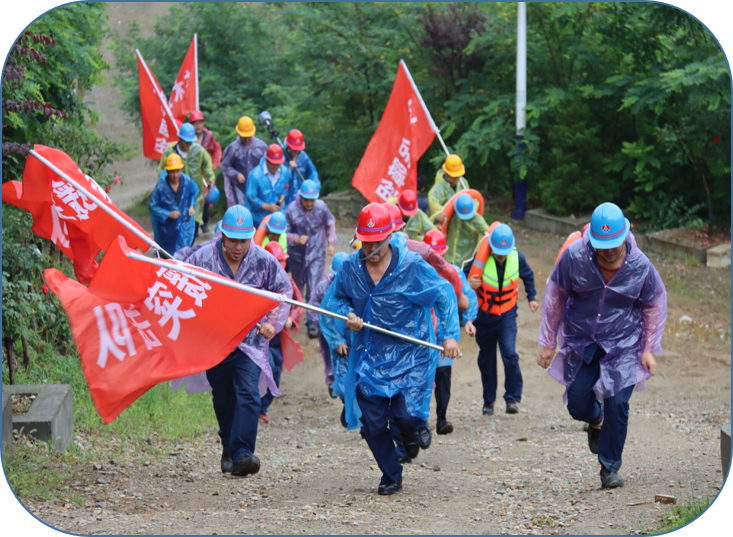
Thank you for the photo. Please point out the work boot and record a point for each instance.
(312, 332)
(388, 490)
(594, 438)
(205, 229)
(405, 460)
(610, 480)
(426, 437)
(249, 464)
(331, 394)
(511, 407)
(488, 409)
(226, 462)
(411, 443)
(443, 427)
(343, 418)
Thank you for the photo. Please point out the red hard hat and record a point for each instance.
(196, 115)
(375, 223)
(395, 215)
(295, 140)
(436, 240)
(274, 154)
(275, 249)
(408, 202)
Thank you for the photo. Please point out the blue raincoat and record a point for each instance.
(469, 315)
(173, 234)
(260, 190)
(336, 334)
(307, 170)
(382, 365)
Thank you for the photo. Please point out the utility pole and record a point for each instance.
(521, 184)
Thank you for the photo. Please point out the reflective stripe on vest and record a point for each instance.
(283, 241)
(490, 299)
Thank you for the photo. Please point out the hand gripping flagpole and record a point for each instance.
(102, 205)
(182, 268)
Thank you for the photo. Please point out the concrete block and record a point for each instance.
(659, 245)
(719, 256)
(541, 220)
(7, 425)
(50, 416)
(725, 449)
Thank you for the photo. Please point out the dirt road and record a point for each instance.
(527, 473)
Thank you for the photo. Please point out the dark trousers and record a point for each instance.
(235, 387)
(503, 332)
(379, 415)
(276, 363)
(206, 213)
(583, 406)
(442, 390)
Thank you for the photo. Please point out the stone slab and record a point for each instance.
(658, 245)
(7, 425)
(50, 416)
(357, 203)
(541, 220)
(719, 256)
(339, 202)
(725, 449)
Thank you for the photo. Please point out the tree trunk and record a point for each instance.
(11, 362)
(26, 356)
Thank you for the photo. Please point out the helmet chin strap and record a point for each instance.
(384, 242)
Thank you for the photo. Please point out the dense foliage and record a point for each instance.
(627, 101)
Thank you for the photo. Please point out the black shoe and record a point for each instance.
(488, 409)
(411, 443)
(205, 229)
(610, 480)
(594, 439)
(246, 466)
(444, 427)
(343, 419)
(388, 490)
(511, 407)
(226, 462)
(312, 332)
(426, 437)
(331, 394)
(405, 460)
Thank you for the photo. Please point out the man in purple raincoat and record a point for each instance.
(606, 307)
(239, 380)
(311, 236)
(240, 158)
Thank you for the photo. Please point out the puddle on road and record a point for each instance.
(686, 328)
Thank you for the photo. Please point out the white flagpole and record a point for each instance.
(158, 91)
(196, 66)
(521, 104)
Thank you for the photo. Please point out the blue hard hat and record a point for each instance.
(309, 190)
(465, 207)
(608, 227)
(212, 195)
(277, 223)
(338, 261)
(237, 223)
(187, 133)
(502, 240)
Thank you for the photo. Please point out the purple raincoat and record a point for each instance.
(625, 317)
(260, 270)
(308, 262)
(237, 159)
(319, 291)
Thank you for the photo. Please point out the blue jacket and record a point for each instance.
(260, 190)
(306, 168)
(170, 234)
(468, 315)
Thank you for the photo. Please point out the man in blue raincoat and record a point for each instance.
(390, 378)
(301, 166)
(173, 206)
(606, 306)
(267, 185)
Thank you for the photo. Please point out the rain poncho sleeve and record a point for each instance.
(418, 225)
(308, 261)
(197, 165)
(463, 238)
(260, 190)
(239, 158)
(260, 270)
(472, 312)
(319, 291)
(442, 192)
(624, 317)
(172, 234)
(381, 365)
(307, 170)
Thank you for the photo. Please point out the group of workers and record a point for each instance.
(423, 276)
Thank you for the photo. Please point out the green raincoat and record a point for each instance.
(442, 192)
(417, 225)
(463, 238)
(197, 165)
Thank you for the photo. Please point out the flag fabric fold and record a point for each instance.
(159, 125)
(185, 93)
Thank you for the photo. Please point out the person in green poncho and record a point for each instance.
(418, 223)
(448, 181)
(464, 232)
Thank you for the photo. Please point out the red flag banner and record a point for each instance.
(138, 325)
(406, 130)
(185, 93)
(292, 351)
(159, 127)
(65, 215)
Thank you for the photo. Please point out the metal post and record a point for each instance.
(521, 114)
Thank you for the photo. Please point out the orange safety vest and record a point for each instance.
(449, 209)
(492, 298)
(574, 236)
(482, 253)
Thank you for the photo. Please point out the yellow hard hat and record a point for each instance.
(246, 127)
(173, 162)
(453, 166)
(356, 245)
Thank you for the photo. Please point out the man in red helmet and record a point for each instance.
(267, 184)
(301, 166)
(206, 138)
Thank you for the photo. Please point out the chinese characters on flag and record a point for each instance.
(159, 127)
(406, 130)
(185, 93)
(138, 325)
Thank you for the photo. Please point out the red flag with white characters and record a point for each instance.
(65, 215)
(292, 351)
(406, 130)
(185, 93)
(138, 325)
(159, 127)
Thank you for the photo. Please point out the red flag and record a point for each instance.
(185, 93)
(406, 130)
(159, 127)
(66, 216)
(292, 351)
(138, 325)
